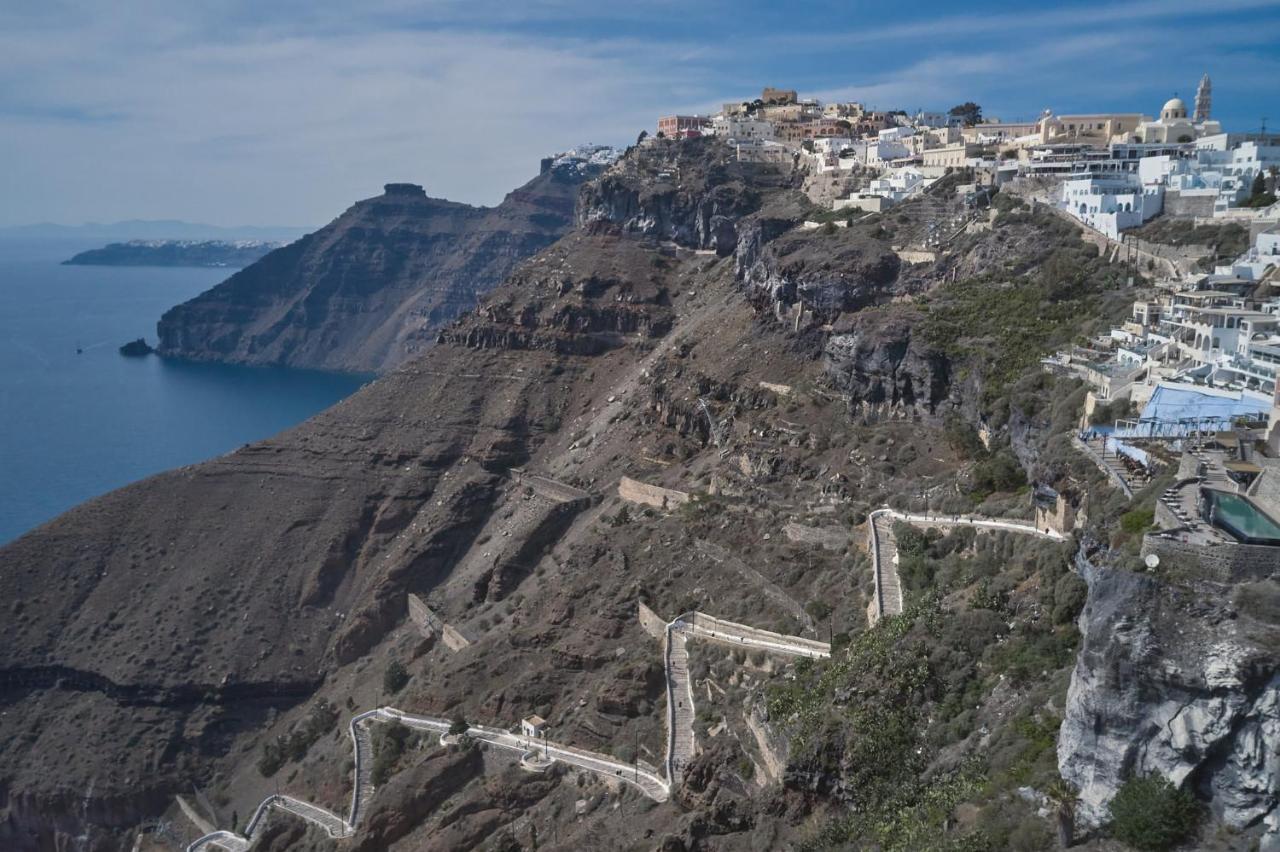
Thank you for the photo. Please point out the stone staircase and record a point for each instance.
(888, 587)
(682, 745)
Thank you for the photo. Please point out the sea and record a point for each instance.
(77, 419)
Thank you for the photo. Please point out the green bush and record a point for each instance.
(394, 678)
(1150, 813)
(1000, 472)
(390, 743)
(1137, 521)
(1069, 595)
(298, 741)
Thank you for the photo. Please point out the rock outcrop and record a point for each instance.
(879, 361)
(694, 196)
(826, 271)
(371, 288)
(1178, 679)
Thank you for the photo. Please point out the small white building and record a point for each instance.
(897, 184)
(533, 726)
(932, 119)
(1111, 203)
(896, 134)
(880, 153)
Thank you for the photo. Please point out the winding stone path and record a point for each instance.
(680, 738)
(887, 598)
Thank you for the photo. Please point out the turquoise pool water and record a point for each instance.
(1242, 519)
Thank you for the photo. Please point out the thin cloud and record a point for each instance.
(233, 110)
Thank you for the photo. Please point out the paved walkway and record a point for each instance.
(649, 782)
(887, 597)
(680, 739)
(681, 745)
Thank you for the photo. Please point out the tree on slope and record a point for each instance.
(968, 112)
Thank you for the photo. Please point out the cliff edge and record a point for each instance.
(368, 291)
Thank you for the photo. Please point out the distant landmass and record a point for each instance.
(229, 253)
(152, 229)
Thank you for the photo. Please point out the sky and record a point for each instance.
(242, 112)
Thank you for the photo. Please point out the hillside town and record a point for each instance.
(1188, 383)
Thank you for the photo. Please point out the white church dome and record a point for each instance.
(1174, 105)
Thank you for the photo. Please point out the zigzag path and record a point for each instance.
(539, 753)
(883, 545)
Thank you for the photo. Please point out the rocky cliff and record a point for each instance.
(1177, 677)
(210, 631)
(369, 289)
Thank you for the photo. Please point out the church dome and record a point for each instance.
(1174, 108)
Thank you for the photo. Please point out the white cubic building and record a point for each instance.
(1110, 203)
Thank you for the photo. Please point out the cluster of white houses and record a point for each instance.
(1118, 170)
(1197, 364)
(1209, 330)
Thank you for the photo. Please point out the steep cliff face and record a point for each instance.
(165, 633)
(1178, 679)
(370, 289)
(827, 272)
(694, 196)
(880, 363)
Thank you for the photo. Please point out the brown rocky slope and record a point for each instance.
(210, 630)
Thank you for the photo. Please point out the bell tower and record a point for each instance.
(1204, 100)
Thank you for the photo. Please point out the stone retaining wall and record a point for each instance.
(635, 491)
(702, 621)
(1221, 563)
(651, 622)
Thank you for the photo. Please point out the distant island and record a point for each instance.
(209, 253)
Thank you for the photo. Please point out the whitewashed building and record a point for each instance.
(1111, 203)
(741, 128)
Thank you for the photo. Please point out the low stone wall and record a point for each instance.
(780, 390)
(1220, 563)
(701, 621)
(635, 491)
(1189, 206)
(916, 255)
(558, 492)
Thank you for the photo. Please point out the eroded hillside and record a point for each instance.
(214, 628)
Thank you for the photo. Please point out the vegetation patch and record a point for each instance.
(298, 741)
(1149, 813)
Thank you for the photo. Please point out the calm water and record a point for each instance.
(75, 426)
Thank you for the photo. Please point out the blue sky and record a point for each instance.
(243, 112)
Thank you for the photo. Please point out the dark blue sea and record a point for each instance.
(73, 426)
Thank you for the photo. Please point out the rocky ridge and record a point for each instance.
(369, 290)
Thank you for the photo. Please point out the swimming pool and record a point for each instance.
(1241, 518)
